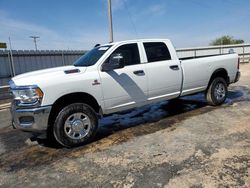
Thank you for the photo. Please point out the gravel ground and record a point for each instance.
(172, 144)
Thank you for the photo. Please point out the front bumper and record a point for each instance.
(33, 120)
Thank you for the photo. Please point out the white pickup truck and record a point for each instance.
(68, 101)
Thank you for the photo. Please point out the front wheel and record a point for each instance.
(217, 92)
(76, 124)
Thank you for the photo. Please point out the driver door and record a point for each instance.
(124, 87)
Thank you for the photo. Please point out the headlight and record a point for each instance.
(27, 96)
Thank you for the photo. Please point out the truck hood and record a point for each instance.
(46, 75)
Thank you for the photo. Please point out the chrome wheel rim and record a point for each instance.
(220, 91)
(77, 126)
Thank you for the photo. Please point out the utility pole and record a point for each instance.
(12, 67)
(34, 39)
(111, 39)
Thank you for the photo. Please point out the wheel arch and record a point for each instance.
(70, 98)
(221, 72)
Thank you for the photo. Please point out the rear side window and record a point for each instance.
(156, 51)
(130, 54)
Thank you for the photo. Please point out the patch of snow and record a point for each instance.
(148, 113)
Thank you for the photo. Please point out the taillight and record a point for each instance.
(238, 63)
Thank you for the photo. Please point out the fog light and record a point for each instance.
(26, 120)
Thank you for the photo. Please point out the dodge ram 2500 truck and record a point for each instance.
(68, 101)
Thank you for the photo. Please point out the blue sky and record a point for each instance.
(80, 24)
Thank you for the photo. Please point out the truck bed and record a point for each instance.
(203, 56)
(197, 71)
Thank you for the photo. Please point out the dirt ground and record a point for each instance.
(172, 144)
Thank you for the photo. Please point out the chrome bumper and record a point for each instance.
(33, 120)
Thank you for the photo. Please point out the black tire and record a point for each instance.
(213, 98)
(61, 134)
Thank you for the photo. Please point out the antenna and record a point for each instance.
(34, 39)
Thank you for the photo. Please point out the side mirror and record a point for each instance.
(116, 61)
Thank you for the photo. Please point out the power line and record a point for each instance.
(34, 39)
(130, 17)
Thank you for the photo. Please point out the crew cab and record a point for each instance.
(67, 102)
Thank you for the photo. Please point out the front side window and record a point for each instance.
(129, 53)
(156, 51)
(91, 57)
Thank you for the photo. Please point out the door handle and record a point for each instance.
(139, 72)
(174, 67)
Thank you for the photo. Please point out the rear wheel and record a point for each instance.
(217, 92)
(76, 124)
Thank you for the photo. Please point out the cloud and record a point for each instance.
(20, 30)
(157, 10)
(118, 4)
(150, 11)
(50, 39)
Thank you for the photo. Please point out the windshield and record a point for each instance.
(92, 56)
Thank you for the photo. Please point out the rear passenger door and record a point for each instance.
(163, 73)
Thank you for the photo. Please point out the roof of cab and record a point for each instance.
(135, 40)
